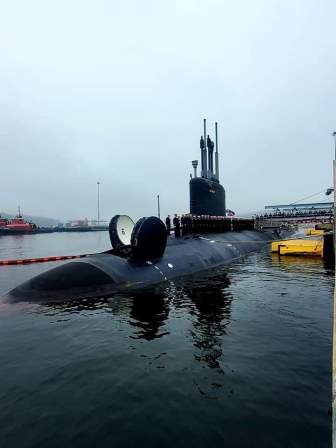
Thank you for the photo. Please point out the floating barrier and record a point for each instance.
(299, 247)
(40, 260)
(314, 232)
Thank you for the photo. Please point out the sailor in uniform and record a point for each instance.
(168, 224)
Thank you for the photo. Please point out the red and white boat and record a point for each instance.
(17, 225)
(3, 222)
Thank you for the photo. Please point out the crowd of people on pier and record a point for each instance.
(296, 213)
(188, 224)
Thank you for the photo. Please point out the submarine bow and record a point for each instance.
(103, 274)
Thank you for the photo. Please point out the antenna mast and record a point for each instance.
(205, 169)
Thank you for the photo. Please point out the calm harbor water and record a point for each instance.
(237, 357)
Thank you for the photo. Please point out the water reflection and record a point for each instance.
(148, 313)
(212, 372)
(74, 306)
(212, 308)
(205, 301)
(303, 264)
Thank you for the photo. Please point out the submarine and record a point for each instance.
(143, 255)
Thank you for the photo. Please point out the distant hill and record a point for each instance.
(38, 220)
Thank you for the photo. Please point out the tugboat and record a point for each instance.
(16, 226)
(3, 222)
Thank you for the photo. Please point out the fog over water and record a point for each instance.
(115, 91)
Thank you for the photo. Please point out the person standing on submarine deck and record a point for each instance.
(177, 226)
(168, 224)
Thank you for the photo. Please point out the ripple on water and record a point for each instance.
(239, 356)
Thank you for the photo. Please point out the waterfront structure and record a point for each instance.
(315, 212)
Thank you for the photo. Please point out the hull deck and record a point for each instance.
(103, 274)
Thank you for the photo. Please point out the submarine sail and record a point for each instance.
(207, 195)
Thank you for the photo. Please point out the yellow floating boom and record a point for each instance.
(314, 232)
(299, 247)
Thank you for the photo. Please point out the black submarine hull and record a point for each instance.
(103, 274)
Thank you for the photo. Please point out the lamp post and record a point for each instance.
(334, 304)
(334, 183)
(158, 205)
(98, 202)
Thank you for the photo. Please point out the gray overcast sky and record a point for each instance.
(116, 91)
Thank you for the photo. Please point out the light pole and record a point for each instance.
(334, 188)
(158, 205)
(334, 304)
(98, 204)
(334, 136)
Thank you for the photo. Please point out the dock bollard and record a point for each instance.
(328, 249)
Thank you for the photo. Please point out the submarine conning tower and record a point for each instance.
(207, 195)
